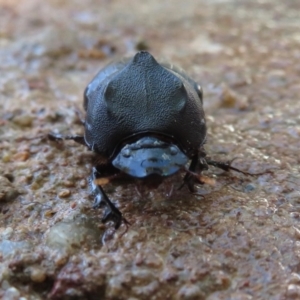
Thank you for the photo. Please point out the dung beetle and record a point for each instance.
(146, 120)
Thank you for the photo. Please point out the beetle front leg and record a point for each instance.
(76, 138)
(197, 165)
(111, 213)
(188, 179)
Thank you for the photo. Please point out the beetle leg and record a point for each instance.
(219, 164)
(80, 115)
(76, 138)
(111, 213)
(226, 166)
(189, 179)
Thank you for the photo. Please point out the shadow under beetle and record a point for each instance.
(147, 120)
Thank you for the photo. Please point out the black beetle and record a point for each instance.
(147, 120)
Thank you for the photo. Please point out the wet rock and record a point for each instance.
(74, 234)
(7, 247)
(52, 42)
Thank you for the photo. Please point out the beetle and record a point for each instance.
(147, 121)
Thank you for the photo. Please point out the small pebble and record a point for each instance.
(68, 183)
(49, 213)
(11, 294)
(64, 194)
(21, 156)
(60, 260)
(35, 185)
(190, 291)
(294, 278)
(37, 274)
(249, 188)
(6, 157)
(293, 291)
(230, 99)
(23, 120)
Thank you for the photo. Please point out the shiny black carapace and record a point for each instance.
(146, 119)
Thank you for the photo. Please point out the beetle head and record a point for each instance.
(150, 156)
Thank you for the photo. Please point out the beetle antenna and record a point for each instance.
(226, 166)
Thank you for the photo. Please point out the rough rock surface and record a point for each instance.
(236, 240)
